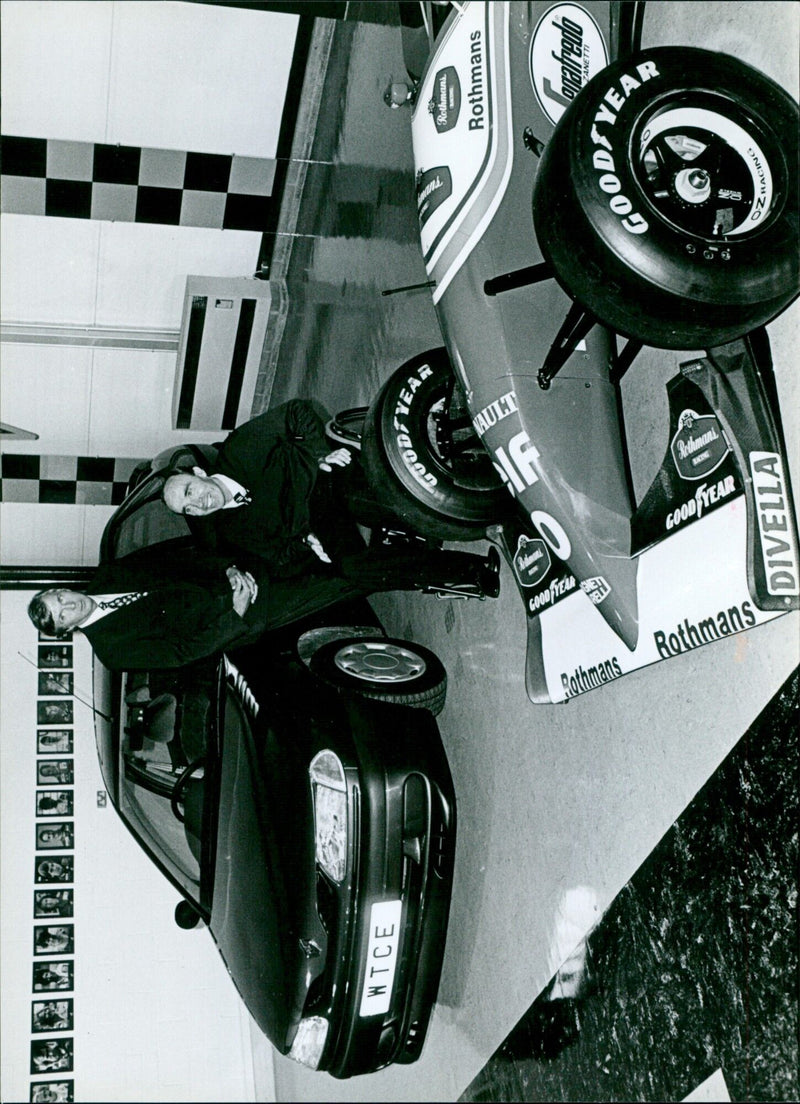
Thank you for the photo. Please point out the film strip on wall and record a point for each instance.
(52, 1025)
(45, 176)
(71, 480)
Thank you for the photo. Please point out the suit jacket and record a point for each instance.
(275, 456)
(178, 621)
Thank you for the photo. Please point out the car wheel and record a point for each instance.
(666, 200)
(424, 460)
(347, 427)
(384, 669)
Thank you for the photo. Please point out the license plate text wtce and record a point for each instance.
(384, 937)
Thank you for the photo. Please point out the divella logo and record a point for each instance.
(433, 188)
(567, 49)
(699, 446)
(531, 561)
(445, 105)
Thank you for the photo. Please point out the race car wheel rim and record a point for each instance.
(702, 171)
(375, 661)
(457, 450)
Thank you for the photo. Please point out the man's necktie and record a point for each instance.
(242, 498)
(123, 600)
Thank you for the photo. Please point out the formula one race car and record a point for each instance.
(579, 198)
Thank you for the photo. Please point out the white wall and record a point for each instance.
(156, 1015)
(146, 73)
(94, 273)
(50, 535)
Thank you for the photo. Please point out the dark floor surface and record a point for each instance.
(694, 966)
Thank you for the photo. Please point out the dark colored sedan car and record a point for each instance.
(297, 794)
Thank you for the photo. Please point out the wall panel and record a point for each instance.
(49, 270)
(103, 72)
(135, 973)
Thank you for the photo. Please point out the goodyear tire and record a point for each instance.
(667, 198)
(424, 460)
(384, 669)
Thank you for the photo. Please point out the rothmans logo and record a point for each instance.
(433, 188)
(445, 105)
(567, 49)
(531, 561)
(699, 445)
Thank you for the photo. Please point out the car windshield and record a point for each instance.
(167, 754)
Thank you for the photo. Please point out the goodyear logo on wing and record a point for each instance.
(434, 186)
(567, 49)
(445, 104)
(699, 445)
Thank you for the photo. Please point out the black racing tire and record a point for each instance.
(384, 669)
(425, 465)
(666, 200)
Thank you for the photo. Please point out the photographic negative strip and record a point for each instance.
(55, 682)
(53, 976)
(54, 712)
(53, 939)
(51, 1055)
(59, 834)
(55, 655)
(53, 902)
(52, 1015)
(54, 868)
(54, 741)
(55, 772)
(54, 803)
(52, 1092)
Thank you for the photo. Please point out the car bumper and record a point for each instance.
(403, 813)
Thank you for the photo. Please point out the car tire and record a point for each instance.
(441, 492)
(347, 427)
(666, 200)
(384, 669)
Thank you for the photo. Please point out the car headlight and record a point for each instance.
(330, 813)
(309, 1042)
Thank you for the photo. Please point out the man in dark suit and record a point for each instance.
(280, 495)
(135, 618)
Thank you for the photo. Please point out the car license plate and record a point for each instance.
(384, 938)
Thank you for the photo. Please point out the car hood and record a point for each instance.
(264, 897)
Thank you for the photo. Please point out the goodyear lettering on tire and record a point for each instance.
(603, 154)
(402, 431)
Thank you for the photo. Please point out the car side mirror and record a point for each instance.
(186, 916)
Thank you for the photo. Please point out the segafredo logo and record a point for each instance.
(433, 188)
(445, 105)
(567, 49)
(699, 445)
(531, 561)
